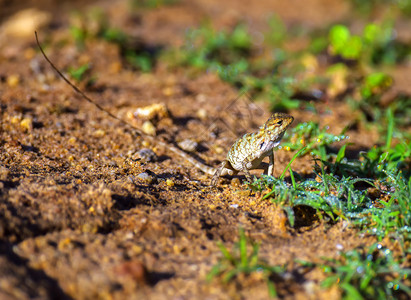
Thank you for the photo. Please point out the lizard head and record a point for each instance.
(271, 133)
(276, 125)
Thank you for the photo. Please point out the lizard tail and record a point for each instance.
(203, 167)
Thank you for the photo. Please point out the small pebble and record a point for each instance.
(168, 91)
(27, 123)
(202, 113)
(149, 128)
(188, 145)
(169, 182)
(309, 287)
(218, 149)
(146, 155)
(147, 177)
(13, 80)
(23, 23)
(156, 110)
(99, 133)
(15, 120)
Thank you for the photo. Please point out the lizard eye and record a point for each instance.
(280, 122)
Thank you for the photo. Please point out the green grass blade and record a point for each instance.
(272, 292)
(293, 179)
(390, 129)
(290, 215)
(243, 249)
(341, 154)
(291, 161)
(215, 270)
(352, 292)
(226, 253)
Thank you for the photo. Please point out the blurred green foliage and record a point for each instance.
(312, 138)
(95, 24)
(136, 4)
(370, 273)
(368, 6)
(78, 73)
(376, 45)
(233, 55)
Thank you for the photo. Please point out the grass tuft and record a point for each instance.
(244, 261)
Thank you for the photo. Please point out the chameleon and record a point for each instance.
(245, 154)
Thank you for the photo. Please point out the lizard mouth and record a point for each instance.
(274, 142)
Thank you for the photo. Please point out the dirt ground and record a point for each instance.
(78, 221)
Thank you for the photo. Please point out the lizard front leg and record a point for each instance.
(270, 170)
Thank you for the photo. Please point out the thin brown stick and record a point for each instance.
(206, 169)
(80, 92)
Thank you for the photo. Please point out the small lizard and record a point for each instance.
(245, 154)
(248, 151)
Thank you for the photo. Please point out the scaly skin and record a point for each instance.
(248, 151)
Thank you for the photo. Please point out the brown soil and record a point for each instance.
(76, 222)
